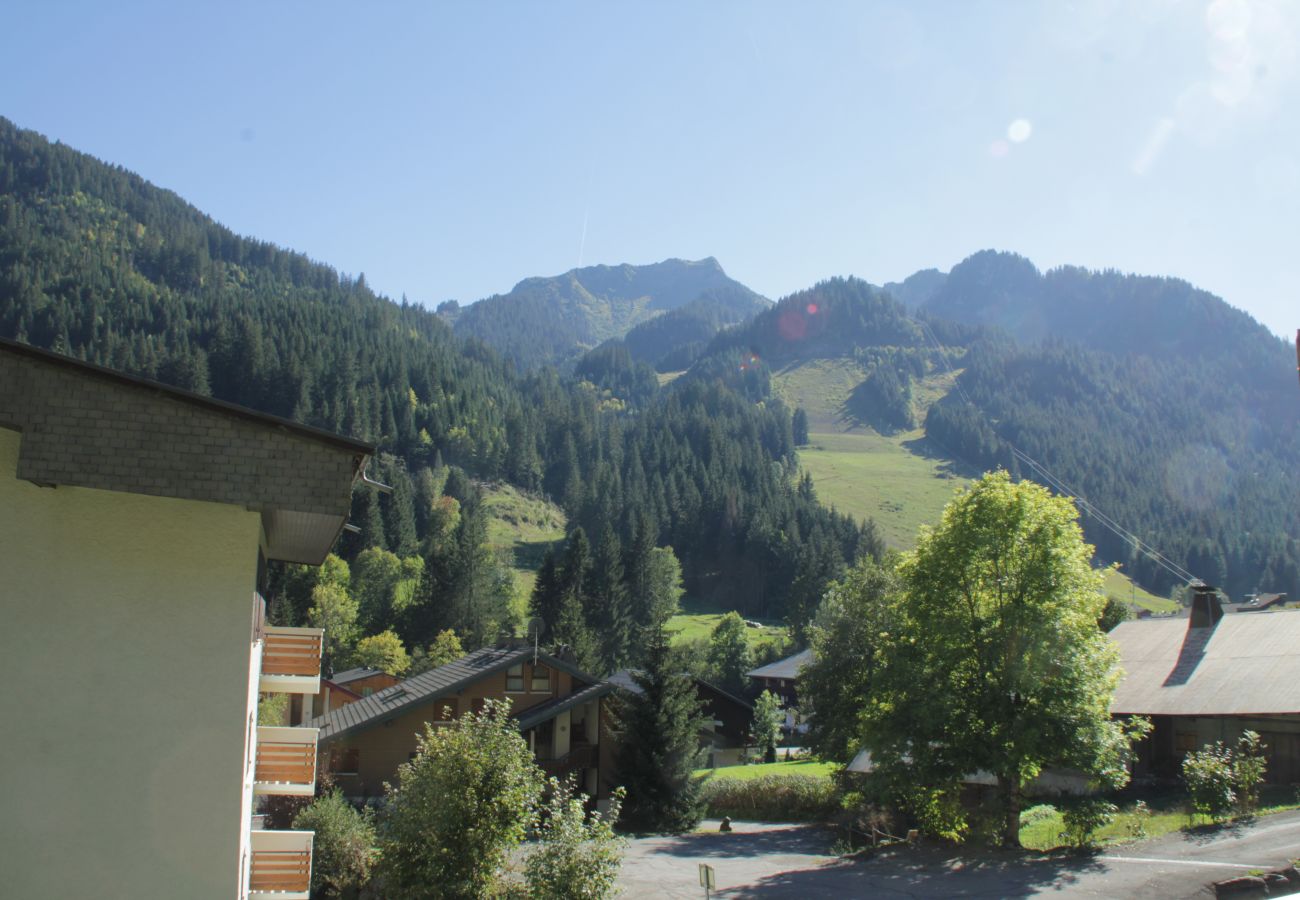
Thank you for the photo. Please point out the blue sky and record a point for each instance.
(448, 151)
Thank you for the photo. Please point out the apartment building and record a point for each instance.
(136, 522)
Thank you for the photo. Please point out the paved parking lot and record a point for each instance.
(765, 860)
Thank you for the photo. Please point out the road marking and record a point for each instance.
(1182, 862)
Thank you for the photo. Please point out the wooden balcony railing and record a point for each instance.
(285, 762)
(280, 864)
(285, 871)
(291, 651)
(580, 756)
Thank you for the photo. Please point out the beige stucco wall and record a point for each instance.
(126, 620)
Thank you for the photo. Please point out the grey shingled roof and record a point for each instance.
(1245, 665)
(429, 686)
(355, 675)
(624, 679)
(787, 668)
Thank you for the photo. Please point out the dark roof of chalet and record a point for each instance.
(787, 668)
(1243, 665)
(623, 679)
(234, 409)
(429, 686)
(355, 675)
(536, 715)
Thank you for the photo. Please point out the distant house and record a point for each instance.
(727, 734)
(782, 677)
(136, 522)
(1208, 678)
(561, 712)
(344, 688)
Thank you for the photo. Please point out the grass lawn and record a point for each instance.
(793, 767)
(693, 626)
(524, 528)
(1168, 814)
(1118, 585)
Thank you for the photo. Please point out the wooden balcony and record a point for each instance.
(291, 659)
(281, 865)
(286, 761)
(580, 756)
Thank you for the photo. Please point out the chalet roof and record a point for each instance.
(787, 668)
(429, 686)
(1244, 665)
(624, 680)
(355, 675)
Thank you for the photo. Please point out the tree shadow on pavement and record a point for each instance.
(1207, 834)
(928, 872)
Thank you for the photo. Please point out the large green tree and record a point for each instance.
(995, 662)
(730, 658)
(853, 623)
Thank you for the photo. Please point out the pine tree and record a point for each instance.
(607, 604)
(659, 727)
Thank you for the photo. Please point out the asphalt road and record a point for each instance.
(763, 860)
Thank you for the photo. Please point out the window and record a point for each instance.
(345, 761)
(1185, 742)
(541, 680)
(515, 678)
(445, 709)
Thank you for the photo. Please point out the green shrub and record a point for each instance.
(1208, 774)
(1223, 779)
(1139, 818)
(1036, 814)
(577, 856)
(1084, 817)
(772, 798)
(342, 851)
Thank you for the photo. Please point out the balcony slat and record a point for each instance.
(291, 654)
(280, 870)
(287, 763)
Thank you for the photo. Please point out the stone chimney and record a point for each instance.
(1206, 611)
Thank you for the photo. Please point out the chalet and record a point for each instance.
(136, 522)
(781, 677)
(729, 719)
(344, 688)
(1208, 678)
(561, 711)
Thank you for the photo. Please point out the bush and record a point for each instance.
(1208, 774)
(459, 808)
(1084, 817)
(1035, 814)
(577, 857)
(772, 798)
(342, 851)
(1223, 779)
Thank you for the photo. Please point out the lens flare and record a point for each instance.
(1019, 131)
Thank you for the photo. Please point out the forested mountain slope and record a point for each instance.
(1173, 413)
(98, 263)
(552, 320)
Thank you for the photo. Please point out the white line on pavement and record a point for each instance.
(1181, 862)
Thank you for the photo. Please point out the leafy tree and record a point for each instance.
(729, 656)
(343, 848)
(660, 746)
(444, 649)
(848, 636)
(384, 585)
(577, 856)
(663, 586)
(459, 807)
(1114, 612)
(996, 663)
(766, 727)
(334, 610)
(383, 651)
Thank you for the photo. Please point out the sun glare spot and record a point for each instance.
(812, 309)
(1019, 131)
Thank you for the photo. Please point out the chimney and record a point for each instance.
(1206, 611)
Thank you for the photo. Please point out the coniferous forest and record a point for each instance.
(1170, 411)
(97, 263)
